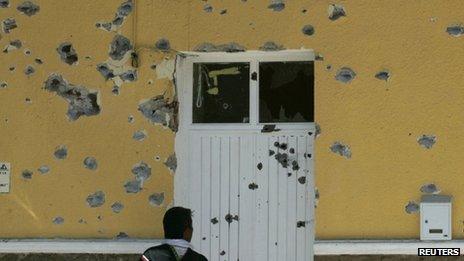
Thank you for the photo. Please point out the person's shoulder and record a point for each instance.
(157, 252)
(194, 256)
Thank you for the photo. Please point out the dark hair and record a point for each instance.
(176, 221)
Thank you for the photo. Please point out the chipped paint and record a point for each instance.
(171, 163)
(117, 207)
(96, 199)
(90, 163)
(341, 149)
(159, 110)
(156, 199)
(336, 11)
(430, 188)
(427, 141)
(271, 46)
(345, 75)
(28, 8)
(61, 152)
(412, 207)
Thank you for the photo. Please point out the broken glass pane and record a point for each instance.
(286, 92)
(221, 92)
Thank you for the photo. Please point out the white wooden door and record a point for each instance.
(253, 194)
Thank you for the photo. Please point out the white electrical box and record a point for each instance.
(435, 217)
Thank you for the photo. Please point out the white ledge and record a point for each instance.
(137, 246)
(379, 247)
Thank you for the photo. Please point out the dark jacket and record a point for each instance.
(166, 252)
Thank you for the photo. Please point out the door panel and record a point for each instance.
(251, 205)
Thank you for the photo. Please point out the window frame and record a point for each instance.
(184, 68)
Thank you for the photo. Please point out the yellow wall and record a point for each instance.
(360, 197)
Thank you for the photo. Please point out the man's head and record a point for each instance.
(177, 223)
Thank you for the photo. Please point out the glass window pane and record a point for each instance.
(286, 92)
(221, 92)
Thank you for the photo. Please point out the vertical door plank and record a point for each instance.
(273, 170)
(282, 204)
(234, 196)
(206, 196)
(224, 205)
(195, 157)
(310, 198)
(215, 197)
(261, 170)
(291, 197)
(302, 205)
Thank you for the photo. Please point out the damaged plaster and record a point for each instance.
(383, 75)
(96, 199)
(117, 207)
(160, 111)
(455, 30)
(231, 47)
(341, 149)
(171, 163)
(427, 141)
(119, 47)
(8, 25)
(13, 45)
(156, 199)
(44, 169)
(67, 53)
(345, 75)
(163, 45)
(61, 152)
(27, 174)
(277, 5)
(90, 163)
(120, 16)
(271, 46)
(411, 207)
(58, 220)
(81, 101)
(29, 70)
(142, 171)
(133, 186)
(4, 3)
(28, 8)
(165, 69)
(430, 189)
(336, 11)
(139, 135)
(308, 30)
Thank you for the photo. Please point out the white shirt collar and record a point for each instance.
(179, 243)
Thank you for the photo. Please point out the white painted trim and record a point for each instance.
(137, 246)
(125, 246)
(379, 247)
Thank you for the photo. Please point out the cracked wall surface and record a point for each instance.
(387, 86)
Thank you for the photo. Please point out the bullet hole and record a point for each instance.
(67, 53)
(427, 141)
(430, 189)
(3, 85)
(123, 11)
(115, 90)
(222, 253)
(289, 174)
(345, 75)
(171, 162)
(4, 3)
(29, 70)
(253, 186)
(27, 174)
(412, 207)
(118, 20)
(316, 194)
(119, 47)
(139, 135)
(336, 11)
(61, 152)
(455, 30)
(229, 47)
(156, 199)
(271, 152)
(8, 25)
(90, 163)
(133, 186)
(283, 146)
(157, 158)
(125, 8)
(58, 220)
(269, 128)
(81, 101)
(302, 180)
(38, 61)
(130, 119)
(12, 69)
(300, 224)
(260, 166)
(44, 169)
(307, 155)
(277, 5)
(122, 235)
(271, 46)
(383, 75)
(105, 71)
(150, 81)
(295, 165)
(291, 150)
(96, 199)
(28, 100)
(28, 8)
(282, 158)
(129, 76)
(160, 111)
(142, 171)
(207, 8)
(276, 144)
(308, 30)
(117, 207)
(82, 221)
(99, 218)
(341, 149)
(153, 66)
(13, 45)
(304, 11)
(163, 44)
